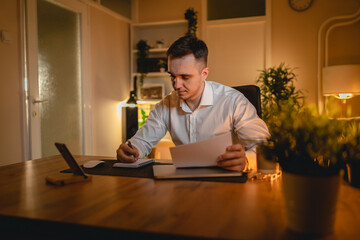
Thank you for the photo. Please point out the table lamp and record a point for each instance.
(341, 81)
(130, 123)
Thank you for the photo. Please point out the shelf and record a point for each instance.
(153, 50)
(162, 23)
(154, 74)
(153, 102)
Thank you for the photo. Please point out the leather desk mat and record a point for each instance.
(147, 172)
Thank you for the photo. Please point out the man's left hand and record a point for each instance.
(233, 159)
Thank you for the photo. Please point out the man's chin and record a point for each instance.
(182, 95)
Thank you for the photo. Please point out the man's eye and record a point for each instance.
(185, 77)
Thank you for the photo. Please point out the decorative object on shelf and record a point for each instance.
(300, 5)
(162, 65)
(277, 86)
(143, 117)
(143, 53)
(191, 16)
(152, 91)
(159, 44)
(309, 148)
(143, 49)
(351, 153)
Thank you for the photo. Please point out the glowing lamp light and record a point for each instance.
(341, 81)
(344, 96)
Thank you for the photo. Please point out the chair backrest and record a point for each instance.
(252, 93)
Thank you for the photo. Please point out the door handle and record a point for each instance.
(34, 101)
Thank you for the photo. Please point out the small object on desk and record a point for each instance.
(64, 178)
(93, 163)
(139, 163)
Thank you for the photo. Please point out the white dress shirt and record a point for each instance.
(221, 109)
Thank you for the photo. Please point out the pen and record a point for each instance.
(129, 144)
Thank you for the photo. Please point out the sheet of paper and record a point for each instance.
(200, 154)
(139, 163)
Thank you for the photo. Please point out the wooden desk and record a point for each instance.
(140, 208)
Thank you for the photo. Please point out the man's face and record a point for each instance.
(187, 76)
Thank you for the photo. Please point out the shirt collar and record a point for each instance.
(207, 95)
(206, 98)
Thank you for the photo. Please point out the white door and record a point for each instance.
(58, 92)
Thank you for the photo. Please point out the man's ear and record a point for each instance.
(204, 73)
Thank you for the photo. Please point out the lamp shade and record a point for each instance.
(341, 79)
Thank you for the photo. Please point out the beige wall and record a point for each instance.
(165, 10)
(110, 79)
(293, 34)
(10, 100)
(109, 76)
(294, 41)
(294, 37)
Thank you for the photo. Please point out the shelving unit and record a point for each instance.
(166, 31)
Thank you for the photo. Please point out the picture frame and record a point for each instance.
(154, 91)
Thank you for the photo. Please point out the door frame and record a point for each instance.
(29, 50)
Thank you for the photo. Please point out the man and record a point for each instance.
(198, 110)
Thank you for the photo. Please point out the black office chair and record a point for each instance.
(252, 93)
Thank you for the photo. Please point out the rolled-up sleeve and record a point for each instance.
(151, 132)
(250, 129)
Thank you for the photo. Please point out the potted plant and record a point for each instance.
(162, 65)
(191, 16)
(143, 53)
(159, 44)
(351, 153)
(308, 147)
(277, 86)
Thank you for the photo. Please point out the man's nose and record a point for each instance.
(177, 83)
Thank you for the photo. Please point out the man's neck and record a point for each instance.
(194, 103)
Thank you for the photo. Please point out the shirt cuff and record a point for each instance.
(251, 160)
(138, 147)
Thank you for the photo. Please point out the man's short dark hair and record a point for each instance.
(187, 45)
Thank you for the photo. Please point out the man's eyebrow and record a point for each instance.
(183, 75)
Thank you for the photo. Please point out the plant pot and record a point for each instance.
(264, 165)
(353, 173)
(310, 202)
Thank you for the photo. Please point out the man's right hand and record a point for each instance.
(127, 154)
